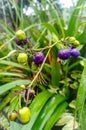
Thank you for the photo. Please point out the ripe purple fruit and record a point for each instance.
(21, 42)
(18, 42)
(25, 40)
(38, 58)
(75, 52)
(64, 53)
(71, 46)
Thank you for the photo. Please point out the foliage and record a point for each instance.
(54, 88)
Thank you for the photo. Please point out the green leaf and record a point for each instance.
(56, 115)
(73, 23)
(6, 100)
(54, 14)
(14, 104)
(43, 16)
(82, 37)
(36, 106)
(6, 28)
(55, 73)
(47, 111)
(11, 85)
(15, 126)
(81, 95)
(4, 62)
(11, 74)
(83, 121)
(51, 28)
(9, 54)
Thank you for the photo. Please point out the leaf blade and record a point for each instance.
(12, 84)
(57, 113)
(47, 111)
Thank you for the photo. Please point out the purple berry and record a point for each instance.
(64, 53)
(71, 46)
(75, 52)
(21, 42)
(38, 58)
(25, 40)
(18, 42)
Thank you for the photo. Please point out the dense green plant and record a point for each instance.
(54, 86)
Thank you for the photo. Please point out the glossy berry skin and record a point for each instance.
(24, 115)
(64, 53)
(75, 52)
(38, 58)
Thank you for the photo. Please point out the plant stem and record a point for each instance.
(40, 69)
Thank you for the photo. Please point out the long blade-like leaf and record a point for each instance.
(81, 95)
(55, 116)
(4, 62)
(47, 111)
(73, 25)
(36, 106)
(11, 85)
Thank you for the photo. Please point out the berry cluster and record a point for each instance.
(67, 52)
(73, 41)
(21, 38)
(22, 116)
(22, 57)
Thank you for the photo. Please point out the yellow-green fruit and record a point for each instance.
(22, 86)
(22, 58)
(12, 116)
(20, 35)
(24, 114)
(72, 39)
(76, 43)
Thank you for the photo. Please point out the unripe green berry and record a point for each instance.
(76, 43)
(12, 116)
(24, 114)
(20, 35)
(72, 39)
(22, 58)
(22, 86)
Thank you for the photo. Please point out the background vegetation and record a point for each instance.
(60, 86)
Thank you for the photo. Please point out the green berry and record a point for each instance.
(72, 39)
(76, 43)
(24, 114)
(12, 116)
(22, 86)
(22, 58)
(20, 35)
